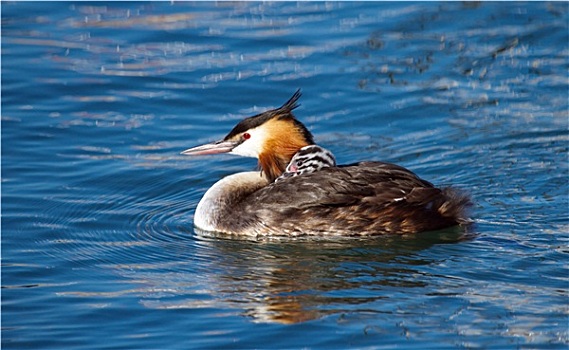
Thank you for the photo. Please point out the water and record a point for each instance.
(98, 99)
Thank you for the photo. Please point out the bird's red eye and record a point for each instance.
(246, 136)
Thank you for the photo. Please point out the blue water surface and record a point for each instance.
(98, 245)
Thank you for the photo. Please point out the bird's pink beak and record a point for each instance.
(211, 148)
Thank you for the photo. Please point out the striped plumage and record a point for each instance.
(308, 159)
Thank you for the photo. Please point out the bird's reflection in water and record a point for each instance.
(291, 281)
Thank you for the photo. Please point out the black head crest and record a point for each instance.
(283, 112)
(291, 104)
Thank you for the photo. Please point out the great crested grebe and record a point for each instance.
(301, 191)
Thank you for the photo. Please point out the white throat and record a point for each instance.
(217, 205)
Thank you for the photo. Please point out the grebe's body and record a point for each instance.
(301, 191)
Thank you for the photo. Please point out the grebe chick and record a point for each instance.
(308, 159)
(314, 196)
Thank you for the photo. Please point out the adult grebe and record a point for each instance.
(301, 191)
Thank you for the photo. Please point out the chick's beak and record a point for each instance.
(211, 148)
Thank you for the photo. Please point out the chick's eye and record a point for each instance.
(246, 136)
